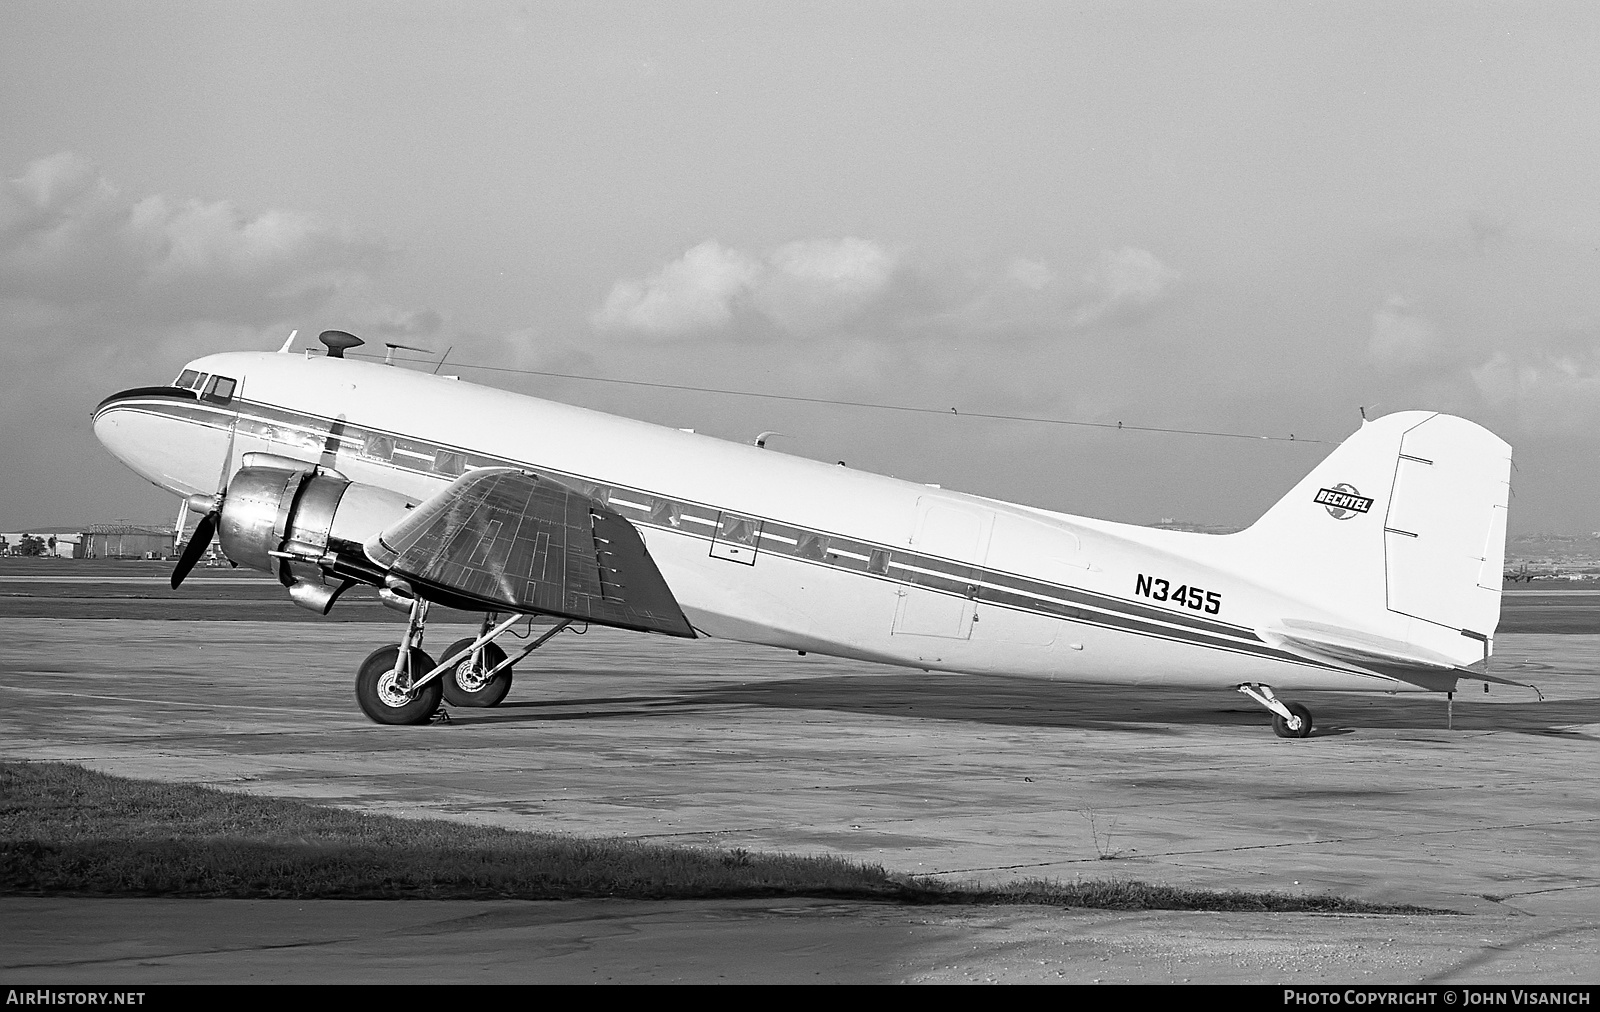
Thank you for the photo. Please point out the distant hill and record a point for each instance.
(1568, 550)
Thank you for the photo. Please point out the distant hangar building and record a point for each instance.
(126, 541)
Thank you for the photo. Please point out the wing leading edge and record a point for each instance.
(506, 540)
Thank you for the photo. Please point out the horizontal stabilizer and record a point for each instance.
(1354, 647)
(1396, 659)
(503, 540)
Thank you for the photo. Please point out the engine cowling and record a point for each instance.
(304, 525)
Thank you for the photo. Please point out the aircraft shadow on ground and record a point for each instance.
(1029, 703)
(1004, 701)
(1016, 702)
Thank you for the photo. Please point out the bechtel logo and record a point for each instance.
(1343, 501)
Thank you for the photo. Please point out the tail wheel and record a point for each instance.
(384, 701)
(465, 684)
(1281, 727)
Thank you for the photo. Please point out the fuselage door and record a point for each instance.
(947, 554)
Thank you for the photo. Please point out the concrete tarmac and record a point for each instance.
(724, 745)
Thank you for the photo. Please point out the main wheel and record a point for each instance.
(464, 684)
(385, 702)
(1280, 727)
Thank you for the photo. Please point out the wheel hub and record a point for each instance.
(390, 693)
(469, 675)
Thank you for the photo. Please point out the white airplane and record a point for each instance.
(1380, 570)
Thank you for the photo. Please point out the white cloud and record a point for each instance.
(98, 287)
(1402, 338)
(530, 349)
(1500, 380)
(390, 321)
(815, 286)
(1030, 274)
(801, 287)
(850, 288)
(50, 196)
(695, 292)
(71, 238)
(1546, 391)
(1122, 284)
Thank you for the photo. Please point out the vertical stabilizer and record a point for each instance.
(1400, 531)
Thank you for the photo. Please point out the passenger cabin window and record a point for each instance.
(185, 380)
(219, 390)
(737, 529)
(378, 447)
(666, 513)
(812, 546)
(448, 462)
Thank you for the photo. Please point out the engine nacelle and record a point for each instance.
(298, 523)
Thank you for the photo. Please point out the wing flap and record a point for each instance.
(511, 541)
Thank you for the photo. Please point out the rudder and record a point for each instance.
(1445, 530)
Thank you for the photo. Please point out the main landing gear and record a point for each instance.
(402, 684)
(1289, 720)
(469, 682)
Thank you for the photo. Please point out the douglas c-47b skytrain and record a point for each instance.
(1380, 570)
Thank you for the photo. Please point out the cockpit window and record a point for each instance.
(220, 390)
(185, 380)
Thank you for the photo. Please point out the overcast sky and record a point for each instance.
(1245, 217)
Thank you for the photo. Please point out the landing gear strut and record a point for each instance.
(403, 685)
(387, 689)
(1289, 720)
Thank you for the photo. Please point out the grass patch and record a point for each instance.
(66, 830)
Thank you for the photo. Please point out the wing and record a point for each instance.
(504, 540)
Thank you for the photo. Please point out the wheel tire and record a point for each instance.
(1280, 727)
(385, 705)
(459, 686)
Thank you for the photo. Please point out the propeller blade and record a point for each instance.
(212, 504)
(198, 543)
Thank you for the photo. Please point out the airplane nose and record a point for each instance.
(149, 430)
